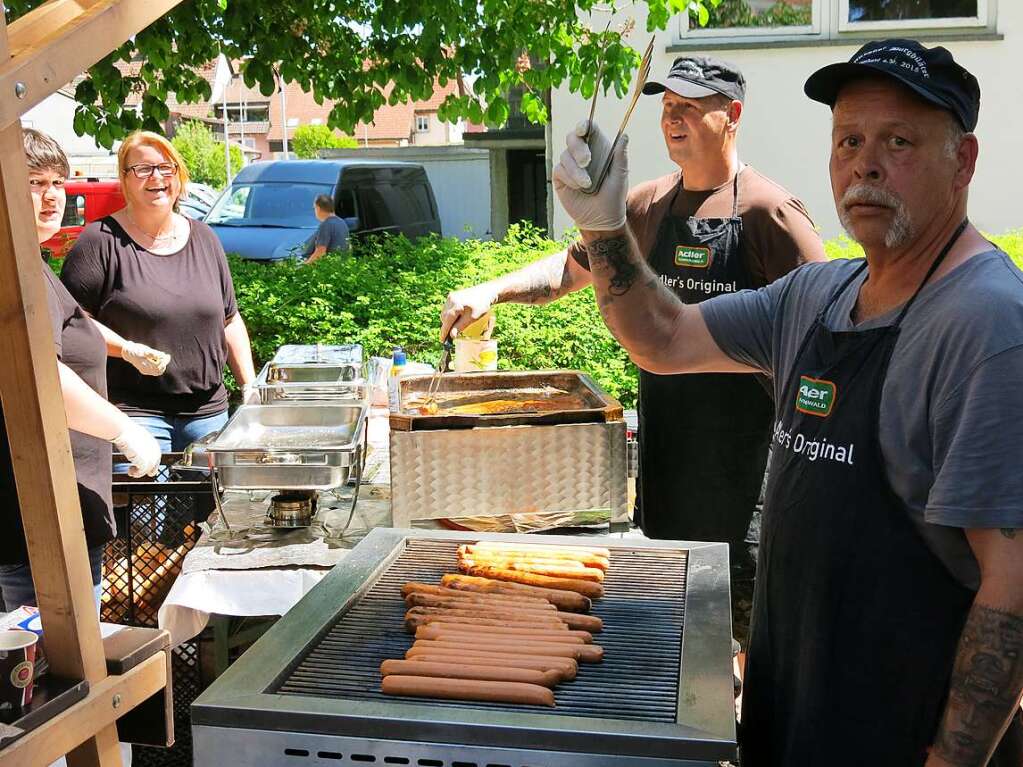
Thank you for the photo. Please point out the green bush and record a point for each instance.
(309, 139)
(390, 291)
(204, 155)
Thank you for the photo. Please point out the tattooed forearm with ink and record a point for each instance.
(987, 680)
(543, 281)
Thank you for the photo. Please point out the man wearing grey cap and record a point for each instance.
(713, 226)
(888, 616)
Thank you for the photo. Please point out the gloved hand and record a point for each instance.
(604, 210)
(145, 359)
(250, 394)
(462, 307)
(141, 449)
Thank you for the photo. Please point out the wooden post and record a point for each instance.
(45, 49)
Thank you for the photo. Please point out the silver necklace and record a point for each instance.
(154, 237)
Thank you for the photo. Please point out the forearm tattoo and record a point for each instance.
(613, 255)
(538, 284)
(985, 689)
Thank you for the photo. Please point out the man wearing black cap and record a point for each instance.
(714, 226)
(888, 618)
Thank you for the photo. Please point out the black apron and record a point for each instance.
(855, 620)
(702, 437)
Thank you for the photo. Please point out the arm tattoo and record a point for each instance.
(985, 689)
(539, 283)
(613, 255)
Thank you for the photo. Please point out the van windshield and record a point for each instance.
(269, 204)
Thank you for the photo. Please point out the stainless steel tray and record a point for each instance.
(310, 383)
(591, 403)
(318, 354)
(294, 446)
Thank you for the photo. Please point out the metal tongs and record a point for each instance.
(603, 161)
(442, 367)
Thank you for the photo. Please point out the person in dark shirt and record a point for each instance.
(152, 274)
(94, 422)
(332, 233)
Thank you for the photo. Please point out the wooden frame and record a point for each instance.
(41, 52)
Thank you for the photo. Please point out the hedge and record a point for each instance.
(390, 292)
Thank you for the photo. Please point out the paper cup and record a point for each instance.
(471, 356)
(17, 666)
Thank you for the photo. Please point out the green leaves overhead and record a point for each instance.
(348, 51)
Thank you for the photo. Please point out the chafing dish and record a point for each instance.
(290, 446)
(308, 692)
(313, 373)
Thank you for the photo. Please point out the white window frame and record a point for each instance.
(952, 22)
(830, 23)
(425, 123)
(817, 10)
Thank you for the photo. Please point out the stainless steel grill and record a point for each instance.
(308, 693)
(642, 638)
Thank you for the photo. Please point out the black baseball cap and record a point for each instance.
(931, 73)
(697, 76)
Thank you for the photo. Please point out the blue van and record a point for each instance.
(267, 212)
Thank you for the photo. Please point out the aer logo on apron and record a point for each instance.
(815, 397)
(688, 255)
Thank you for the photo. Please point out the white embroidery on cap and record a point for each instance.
(895, 56)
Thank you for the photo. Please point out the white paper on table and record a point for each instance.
(241, 593)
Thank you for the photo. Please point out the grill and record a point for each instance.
(308, 693)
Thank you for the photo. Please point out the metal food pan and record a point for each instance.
(596, 405)
(318, 354)
(310, 383)
(297, 446)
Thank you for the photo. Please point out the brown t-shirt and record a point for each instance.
(79, 346)
(177, 303)
(777, 232)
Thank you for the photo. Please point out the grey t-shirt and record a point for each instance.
(951, 408)
(332, 232)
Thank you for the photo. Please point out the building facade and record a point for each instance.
(784, 134)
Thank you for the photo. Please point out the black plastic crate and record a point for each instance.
(157, 524)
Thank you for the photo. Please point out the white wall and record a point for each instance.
(786, 136)
(55, 116)
(460, 178)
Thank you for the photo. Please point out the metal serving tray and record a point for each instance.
(296, 446)
(596, 406)
(318, 354)
(310, 383)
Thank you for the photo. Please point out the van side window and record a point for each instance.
(74, 211)
(346, 205)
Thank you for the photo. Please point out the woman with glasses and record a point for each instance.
(154, 275)
(82, 347)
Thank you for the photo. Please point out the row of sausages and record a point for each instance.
(500, 639)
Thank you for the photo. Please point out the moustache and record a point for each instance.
(864, 194)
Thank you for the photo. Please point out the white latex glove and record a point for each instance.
(145, 359)
(250, 394)
(141, 449)
(463, 307)
(604, 210)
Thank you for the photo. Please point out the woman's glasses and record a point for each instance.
(145, 170)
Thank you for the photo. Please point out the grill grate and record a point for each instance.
(642, 610)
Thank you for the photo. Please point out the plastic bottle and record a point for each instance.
(398, 361)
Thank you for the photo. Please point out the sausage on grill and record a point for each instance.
(468, 689)
(567, 667)
(563, 600)
(451, 670)
(586, 588)
(507, 631)
(585, 653)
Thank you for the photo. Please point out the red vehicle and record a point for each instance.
(88, 199)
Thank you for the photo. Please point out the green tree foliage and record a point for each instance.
(204, 155)
(738, 13)
(310, 138)
(349, 51)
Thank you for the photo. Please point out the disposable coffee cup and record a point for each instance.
(17, 666)
(471, 356)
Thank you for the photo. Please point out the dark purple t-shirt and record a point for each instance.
(177, 303)
(79, 346)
